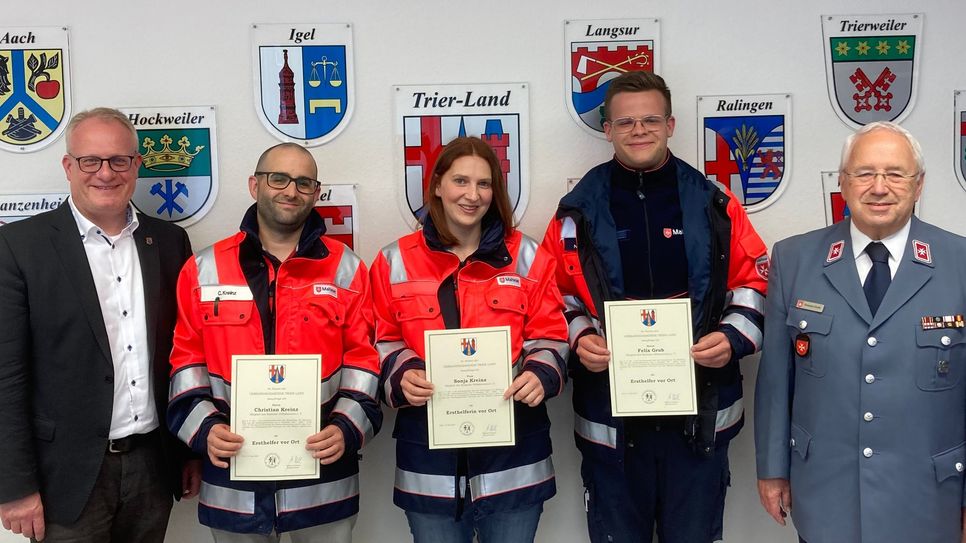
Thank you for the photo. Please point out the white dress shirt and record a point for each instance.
(116, 270)
(896, 244)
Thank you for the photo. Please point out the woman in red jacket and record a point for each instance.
(468, 267)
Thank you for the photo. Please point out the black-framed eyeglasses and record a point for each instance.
(280, 181)
(651, 123)
(92, 164)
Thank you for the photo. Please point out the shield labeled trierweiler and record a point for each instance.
(596, 52)
(744, 145)
(178, 177)
(872, 65)
(34, 86)
(430, 116)
(959, 136)
(304, 83)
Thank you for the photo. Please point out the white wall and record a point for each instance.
(183, 52)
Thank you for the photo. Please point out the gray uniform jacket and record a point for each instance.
(869, 425)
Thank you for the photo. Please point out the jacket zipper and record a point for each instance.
(647, 231)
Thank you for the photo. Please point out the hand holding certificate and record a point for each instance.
(275, 403)
(651, 370)
(470, 370)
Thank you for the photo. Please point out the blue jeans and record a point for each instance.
(518, 526)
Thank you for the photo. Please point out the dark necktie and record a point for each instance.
(877, 282)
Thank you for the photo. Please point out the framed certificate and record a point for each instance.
(651, 369)
(470, 369)
(275, 405)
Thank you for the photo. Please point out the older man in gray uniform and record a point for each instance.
(860, 408)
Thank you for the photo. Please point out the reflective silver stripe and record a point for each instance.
(577, 327)
(397, 270)
(357, 415)
(330, 386)
(422, 484)
(525, 255)
(188, 379)
(192, 423)
(360, 381)
(220, 389)
(306, 497)
(595, 432)
(568, 229)
(346, 271)
(508, 480)
(747, 297)
(729, 416)
(573, 303)
(532, 344)
(547, 359)
(386, 348)
(747, 328)
(404, 356)
(207, 266)
(227, 499)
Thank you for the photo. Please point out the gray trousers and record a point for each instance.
(339, 531)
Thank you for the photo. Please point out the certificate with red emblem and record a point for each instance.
(651, 370)
(470, 369)
(275, 405)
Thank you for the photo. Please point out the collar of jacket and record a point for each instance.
(310, 243)
(492, 249)
(590, 202)
(631, 180)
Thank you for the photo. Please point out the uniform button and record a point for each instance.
(803, 324)
(867, 452)
(872, 341)
(868, 417)
(959, 467)
(108, 378)
(870, 378)
(791, 442)
(945, 340)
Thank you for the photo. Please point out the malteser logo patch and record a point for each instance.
(511, 280)
(325, 289)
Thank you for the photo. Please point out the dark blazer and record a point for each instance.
(868, 422)
(56, 370)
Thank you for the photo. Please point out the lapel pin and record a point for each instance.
(149, 240)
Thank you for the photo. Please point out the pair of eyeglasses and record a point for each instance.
(867, 177)
(651, 123)
(280, 181)
(92, 164)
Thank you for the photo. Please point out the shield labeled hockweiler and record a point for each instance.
(430, 116)
(34, 87)
(178, 177)
(744, 145)
(872, 65)
(596, 52)
(959, 136)
(304, 84)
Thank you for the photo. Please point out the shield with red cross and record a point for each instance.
(872, 65)
(336, 206)
(430, 116)
(743, 145)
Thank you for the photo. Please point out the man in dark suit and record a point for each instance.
(88, 306)
(859, 418)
